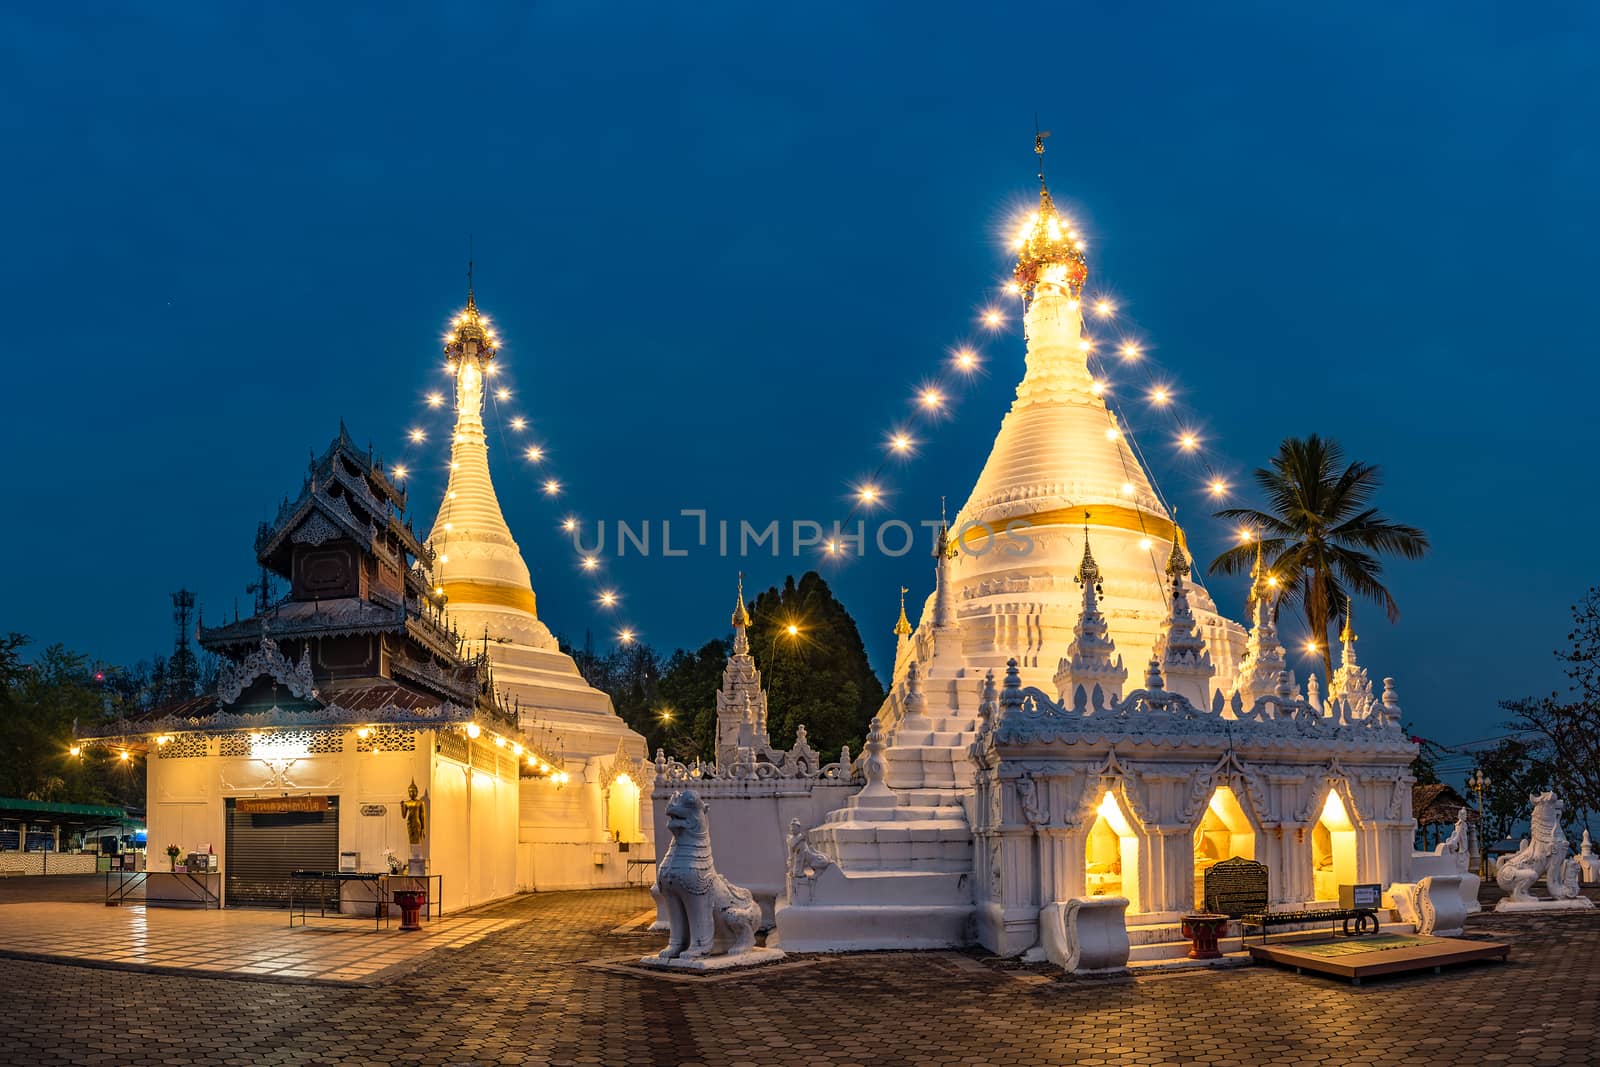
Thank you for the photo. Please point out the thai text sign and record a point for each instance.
(279, 805)
(1236, 887)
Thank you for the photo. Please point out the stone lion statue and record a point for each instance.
(1546, 854)
(706, 913)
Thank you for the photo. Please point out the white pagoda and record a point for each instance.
(1072, 717)
(575, 824)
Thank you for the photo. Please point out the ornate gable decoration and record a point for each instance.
(267, 661)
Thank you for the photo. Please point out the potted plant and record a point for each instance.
(172, 856)
(396, 864)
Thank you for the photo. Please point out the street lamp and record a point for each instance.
(1479, 783)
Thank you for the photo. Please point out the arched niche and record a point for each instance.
(1333, 848)
(1223, 831)
(1111, 852)
(622, 809)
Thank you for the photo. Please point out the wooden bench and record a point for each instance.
(1366, 920)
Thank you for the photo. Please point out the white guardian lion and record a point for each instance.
(1546, 854)
(706, 913)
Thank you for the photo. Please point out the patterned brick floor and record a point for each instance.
(538, 991)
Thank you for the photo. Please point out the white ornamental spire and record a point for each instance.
(1089, 661)
(1185, 662)
(1264, 658)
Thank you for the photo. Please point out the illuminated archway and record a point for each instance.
(1111, 854)
(1224, 831)
(622, 809)
(1333, 849)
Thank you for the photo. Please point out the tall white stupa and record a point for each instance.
(1063, 476)
(489, 596)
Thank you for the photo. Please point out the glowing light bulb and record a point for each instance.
(1130, 350)
(1103, 308)
(608, 598)
(75, 750)
(444, 559)
(535, 453)
(1013, 289)
(364, 732)
(1218, 487)
(868, 494)
(435, 400)
(1097, 387)
(590, 563)
(449, 526)
(1245, 535)
(438, 590)
(1159, 396)
(399, 472)
(502, 394)
(516, 749)
(833, 548)
(519, 423)
(1188, 442)
(1112, 433)
(569, 524)
(966, 358)
(1144, 542)
(932, 398)
(1311, 646)
(792, 630)
(1085, 344)
(1073, 304)
(123, 755)
(552, 487)
(992, 319)
(1127, 488)
(900, 442)
(1272, 580)
(473, 729)
(626, 637)
(418, 435)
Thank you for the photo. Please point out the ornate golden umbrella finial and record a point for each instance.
(902, 626)
(1049, 249)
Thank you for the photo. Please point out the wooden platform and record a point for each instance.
(1356, 958)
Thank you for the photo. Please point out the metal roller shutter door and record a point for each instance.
(261, 850)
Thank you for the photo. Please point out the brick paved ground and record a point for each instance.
(531, 994)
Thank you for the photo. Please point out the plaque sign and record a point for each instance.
(1236, 887)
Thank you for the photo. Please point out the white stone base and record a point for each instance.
(714, 963)
(1086, 935)
(1575, 904)
(872, 927)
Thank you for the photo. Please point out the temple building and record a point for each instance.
(395, 662)
(331, 704)
(1073, 717)
(575, 834)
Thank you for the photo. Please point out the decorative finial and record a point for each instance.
(902, 626)
(1088, 570)
(1347, 633)
(1049, 249)
(741, 617)
(470, 327)
(1177, 562)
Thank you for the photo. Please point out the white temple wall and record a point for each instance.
(563, 838)
(472, 818)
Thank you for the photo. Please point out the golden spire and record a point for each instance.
(741, 617)
(902, 626)
(1088, 570)
(1347, 634)
(1049, 249)
(471, 327)
(1177, 562)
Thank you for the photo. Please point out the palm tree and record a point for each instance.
(1322, 537)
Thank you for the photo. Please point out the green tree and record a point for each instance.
(1322, 536)
(814, 666)
(687, 716)
(1568, 728)
(1514, 770)
(1425, 767)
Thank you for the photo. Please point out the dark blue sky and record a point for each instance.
(723, 243)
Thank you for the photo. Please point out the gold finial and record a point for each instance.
(741, 617)
(902, 627)
(1088, 570)
(1049, 249)
(470, 326)
(1177, 562)
(1347, 634)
